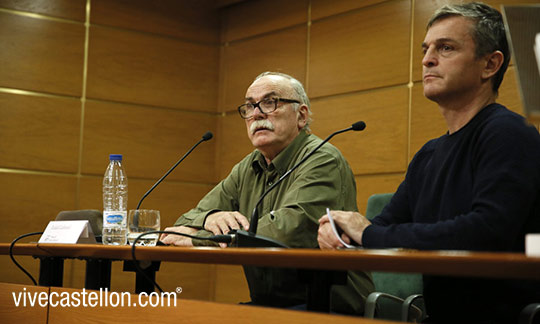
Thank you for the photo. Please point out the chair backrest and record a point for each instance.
(94, 217)
(376, 203)
(401, 285)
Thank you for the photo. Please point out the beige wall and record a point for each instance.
(133, 77)
(147, 79)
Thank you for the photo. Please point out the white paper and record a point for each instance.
(68, 232)
(532, 245)
(334, 228)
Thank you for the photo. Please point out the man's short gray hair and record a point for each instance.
(488, 32)
(299, 91)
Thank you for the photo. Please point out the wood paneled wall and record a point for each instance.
(80, 79)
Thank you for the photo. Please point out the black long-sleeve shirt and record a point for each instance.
(475, 189)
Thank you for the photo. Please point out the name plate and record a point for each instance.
(532, 245)
(68, 232)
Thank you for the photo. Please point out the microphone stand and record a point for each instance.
(207, 136)
(250, 238)
(148, 285)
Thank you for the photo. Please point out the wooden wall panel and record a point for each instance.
(74, 273)
(39, 133)
(196, 280)
(41, 55)
(382, 146)
(147, 69)
(325, 8)
(256, 17)
(283, 51)
(360, 50)
(231, 285)
(29, 201)
(235, 144)
(193, 20)
(151, 139)
(66, 9)
(169, 59)
(423, 12)
(367, 185)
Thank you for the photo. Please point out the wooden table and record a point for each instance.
(451, 263)
(325, 263)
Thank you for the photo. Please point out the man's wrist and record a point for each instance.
(206, 216)
(202, 242)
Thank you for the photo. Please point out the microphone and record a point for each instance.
(207, 136)
(250, 238)
(358, 126)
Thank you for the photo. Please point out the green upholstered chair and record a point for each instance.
(397, 296)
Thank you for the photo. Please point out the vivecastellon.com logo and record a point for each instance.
(93, 298)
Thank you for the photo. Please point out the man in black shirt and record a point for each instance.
(476, 187)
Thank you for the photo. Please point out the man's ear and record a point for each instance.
(302, 116)
(493, 63)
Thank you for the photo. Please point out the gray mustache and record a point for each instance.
(262, 123)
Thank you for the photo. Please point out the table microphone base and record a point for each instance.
(246, 239)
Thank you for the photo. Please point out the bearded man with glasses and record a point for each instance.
(277, 116)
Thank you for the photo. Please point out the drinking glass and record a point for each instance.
(141, 221)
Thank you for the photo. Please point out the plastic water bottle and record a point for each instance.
(115, 196)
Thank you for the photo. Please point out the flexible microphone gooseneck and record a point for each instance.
(207, 136)
(250, 238)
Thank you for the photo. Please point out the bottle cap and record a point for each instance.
(115, 157)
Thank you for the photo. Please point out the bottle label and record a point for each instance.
(114, 217)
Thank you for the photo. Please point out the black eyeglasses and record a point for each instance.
(266, 106)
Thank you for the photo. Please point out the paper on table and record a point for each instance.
(334, 229)
(532, 245)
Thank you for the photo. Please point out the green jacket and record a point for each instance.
(288, 214)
